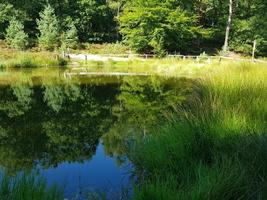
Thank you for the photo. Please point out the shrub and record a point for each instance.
(62, 62)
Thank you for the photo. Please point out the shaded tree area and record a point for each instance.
(149, 26)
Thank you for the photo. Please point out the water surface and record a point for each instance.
(77, 134)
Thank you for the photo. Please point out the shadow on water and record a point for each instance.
(77, 133)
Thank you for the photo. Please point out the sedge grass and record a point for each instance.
(29, 59)
(217, 147)
(25, 187)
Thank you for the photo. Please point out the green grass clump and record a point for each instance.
(217, 146)
(24, 61)
(24, 187)
(27, 59)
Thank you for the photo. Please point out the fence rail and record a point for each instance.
(125, 57)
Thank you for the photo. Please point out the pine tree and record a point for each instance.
(49, 29)
(69, 38)
(15, 35)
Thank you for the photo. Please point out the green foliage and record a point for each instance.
(106, 48)
(96, 21)
(23, 187)
(48, 26)
(250, 25)
(153, 26)
(62, 62)
(7, 13)
(15, 35)
(32, 60)
(217, 145)
(159, 28)
(69, 39)
(26, 62)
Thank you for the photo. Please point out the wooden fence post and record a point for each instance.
(253, 50)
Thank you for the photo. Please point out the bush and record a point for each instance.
(62, 62)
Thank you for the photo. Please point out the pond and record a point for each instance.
(77, 132)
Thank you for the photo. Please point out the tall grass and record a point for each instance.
(217, 146)
(26, 187)
(31, 60)
(164, 67)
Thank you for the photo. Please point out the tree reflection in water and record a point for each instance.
(65, 121)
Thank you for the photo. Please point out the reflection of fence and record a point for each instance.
(125, 57)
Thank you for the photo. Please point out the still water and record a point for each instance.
(77, 133)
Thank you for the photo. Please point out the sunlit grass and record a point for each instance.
(217, 145)
(19, 59)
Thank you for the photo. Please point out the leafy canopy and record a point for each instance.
(158, 27)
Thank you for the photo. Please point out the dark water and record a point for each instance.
(77, 134)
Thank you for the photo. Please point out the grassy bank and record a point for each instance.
(24, 187)
(11, 58)
(216, 148)
(166, 66)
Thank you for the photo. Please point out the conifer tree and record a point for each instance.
(49, 29)
(15, 36)
(69, 38)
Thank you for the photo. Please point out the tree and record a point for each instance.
(15, 35)
(69, 38)
(159, 27)
(6, 10)
(228, 27)
(48, 26)
(250, 24)
(95, 21)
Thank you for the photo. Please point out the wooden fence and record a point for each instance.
(124, 57)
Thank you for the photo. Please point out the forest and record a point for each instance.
(146, 26)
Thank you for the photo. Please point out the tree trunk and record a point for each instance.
(228, 27)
